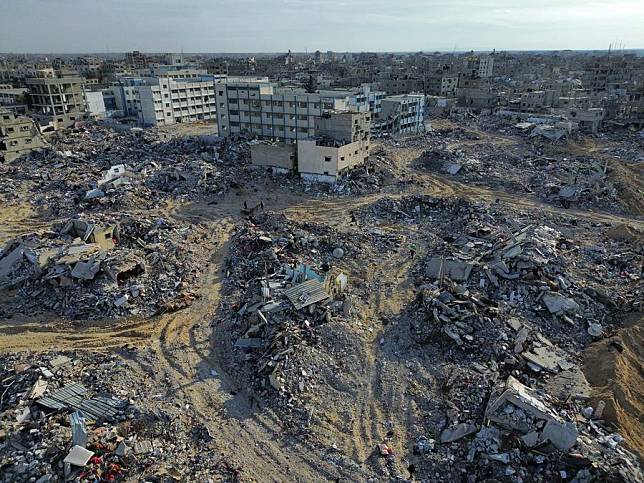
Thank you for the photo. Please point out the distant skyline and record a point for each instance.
(80, 26)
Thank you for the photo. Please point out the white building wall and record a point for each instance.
(94, 103)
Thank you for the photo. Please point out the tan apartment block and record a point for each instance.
(18, 136)
(57, 100)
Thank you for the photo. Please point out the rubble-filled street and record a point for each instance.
(464, 306)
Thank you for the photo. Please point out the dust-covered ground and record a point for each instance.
(392, 375)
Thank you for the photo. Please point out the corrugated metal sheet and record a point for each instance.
(72, 396)
(306, 293)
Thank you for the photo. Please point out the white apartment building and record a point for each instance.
(361, 99)
(262, 109)
(403, 114)
(169, 101)
(158, 101)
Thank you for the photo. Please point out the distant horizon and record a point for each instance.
(309, 52)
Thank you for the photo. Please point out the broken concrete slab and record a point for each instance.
(454, 433)
(562, 435)
(87, 270)
(558, 304)
(544, 357)
(77, 456)
(10, 260)
(515, 393)
(437, 267)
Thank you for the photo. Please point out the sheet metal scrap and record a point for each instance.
(72, 396)
(306, 293)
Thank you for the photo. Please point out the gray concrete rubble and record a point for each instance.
(83, 269)
(429, 314)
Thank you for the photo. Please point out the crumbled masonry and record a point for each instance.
(169, 312)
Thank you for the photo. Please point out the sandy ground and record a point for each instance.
(614, 367)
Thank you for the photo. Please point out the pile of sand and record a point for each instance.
(614, 369)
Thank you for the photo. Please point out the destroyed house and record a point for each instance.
(18, 135)
(402, 114)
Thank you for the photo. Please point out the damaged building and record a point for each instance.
(57, 101)
(403, 114)
(18, 136)
(341, 142)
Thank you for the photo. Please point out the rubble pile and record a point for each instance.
(372, 176)
(108, 266)
(580, 181)
(286, 289)
(98, 169)
(528, 435)
(481, 272)
(77, 416)
(409, 208)
(59, 418)
(513, 302)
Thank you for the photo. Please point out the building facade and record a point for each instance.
(18, 136)
(262, 109)
(57, 100)
(341, 142)
(168, 100)
(403, 114)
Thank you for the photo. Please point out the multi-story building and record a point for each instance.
(18, 136)
(269, 112)
(475, 93)
(171, 100)
(441, 85)
(404, 114)
(608, 74)
(167, 99)
(340, 143)
(13, 95)
(126, 96)
(136, 59)
(402, 84)
(362, 99)
(57, 100)
(481, 66)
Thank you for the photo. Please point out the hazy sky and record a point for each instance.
(72, 26)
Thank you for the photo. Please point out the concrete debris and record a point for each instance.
(460, 323)
(558, 304)
(97, 169)
(562, 435)
(457, 432)
(82, 270)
